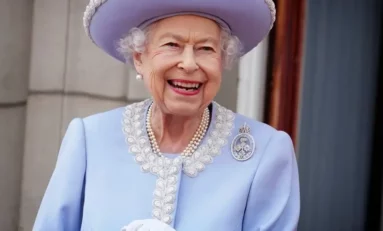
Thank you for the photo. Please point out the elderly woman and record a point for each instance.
(178, 161)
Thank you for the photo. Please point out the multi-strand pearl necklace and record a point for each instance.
(193, 144)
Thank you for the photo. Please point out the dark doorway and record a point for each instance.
(337, 161)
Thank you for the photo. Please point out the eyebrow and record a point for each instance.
(182, 39)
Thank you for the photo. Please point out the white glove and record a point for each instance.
(147, 225)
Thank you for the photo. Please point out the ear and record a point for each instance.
(137, 61)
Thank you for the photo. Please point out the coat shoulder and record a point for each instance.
(254, 125)
(261, 131)
(111, 118)
(265, 136)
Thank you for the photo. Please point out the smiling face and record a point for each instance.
(182, 64)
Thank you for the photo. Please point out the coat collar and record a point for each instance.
(134, 127)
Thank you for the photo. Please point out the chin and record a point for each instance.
(183, 108)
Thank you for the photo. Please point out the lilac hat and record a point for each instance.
(108, 21)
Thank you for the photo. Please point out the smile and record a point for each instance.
(185, 87)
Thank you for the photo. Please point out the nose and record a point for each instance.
(188, 62)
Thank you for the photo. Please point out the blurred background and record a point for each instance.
(318, 76)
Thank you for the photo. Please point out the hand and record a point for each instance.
(147, 225)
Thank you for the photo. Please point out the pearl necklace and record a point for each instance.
(193, 144)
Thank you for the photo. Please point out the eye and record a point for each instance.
(171, 44)
(206, 48)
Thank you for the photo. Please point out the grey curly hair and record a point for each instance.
(136, 40)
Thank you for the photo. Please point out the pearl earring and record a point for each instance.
(139, 77)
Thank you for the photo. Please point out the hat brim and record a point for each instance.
(249, 20)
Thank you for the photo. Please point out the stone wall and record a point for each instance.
(15, 30)
(69, 77)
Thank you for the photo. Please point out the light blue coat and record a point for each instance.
(106, 176)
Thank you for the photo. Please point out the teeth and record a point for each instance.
(186, 85)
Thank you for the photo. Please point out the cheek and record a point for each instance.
(211, 89)
(161, 60)
(154, 81)
(212, 66)
(155, 71)
(213, 72)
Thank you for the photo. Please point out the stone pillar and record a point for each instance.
(69, 77)
(227, 95)
(15, 29)
(252, 82)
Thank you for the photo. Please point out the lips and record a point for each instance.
(185, 85)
